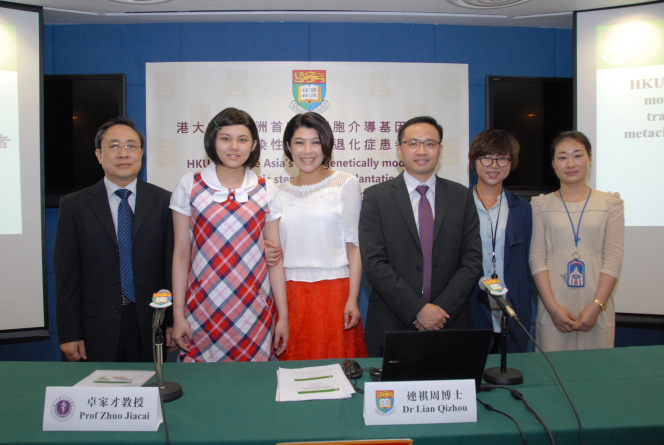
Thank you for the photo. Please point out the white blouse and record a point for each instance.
(181, 197)
(316, 223)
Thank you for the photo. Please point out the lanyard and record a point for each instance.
(578, 227)
(494, 234)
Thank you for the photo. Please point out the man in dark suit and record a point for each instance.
(420, 243)
(113, 250)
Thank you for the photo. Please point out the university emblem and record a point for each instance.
(380, 85)
(165, 85)
(237, 84)
(309, 87)
(451, 154)
(616, 48)
(449, 86)
(63, 408)
(165, 153)
(385, 401)
(200, 113)
(416, 110)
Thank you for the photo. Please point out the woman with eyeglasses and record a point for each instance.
(576, 253)
(505, 228)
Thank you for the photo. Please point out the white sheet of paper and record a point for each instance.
(314, 383)
(116, 378)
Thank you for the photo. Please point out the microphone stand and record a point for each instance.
(169, 391)
(503, 375)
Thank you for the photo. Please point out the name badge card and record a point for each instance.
(410, 403)
(68, 408)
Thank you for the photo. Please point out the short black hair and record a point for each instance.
(420, 120)
(120, 120)
(494, 142)
(571, 135)
(318, 123)
(225, 118)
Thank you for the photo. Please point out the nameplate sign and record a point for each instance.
(68, 408)
(408, 403)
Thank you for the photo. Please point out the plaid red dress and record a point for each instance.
(229, 308)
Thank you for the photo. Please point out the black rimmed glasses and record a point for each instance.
(416, 143)
(501, 161)
(117, 147)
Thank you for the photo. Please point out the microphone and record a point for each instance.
(168, 391)
(502, 375)
(496, 290)
(160, 301)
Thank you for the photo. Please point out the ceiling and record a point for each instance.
(530, 13)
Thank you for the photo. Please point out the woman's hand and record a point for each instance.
(273, 254)
(170, 342)
(182, 335)
(563, 320)
(587, 318)
(281, 336)
(351, 314)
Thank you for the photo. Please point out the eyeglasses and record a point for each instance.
(502, 161)
(415, 143)
(117, 147)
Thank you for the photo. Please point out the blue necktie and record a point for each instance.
(125, 233)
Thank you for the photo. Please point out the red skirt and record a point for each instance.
(316, 322)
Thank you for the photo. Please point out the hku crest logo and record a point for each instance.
(385, 402)
(309, 87)
(380, 85)
(201, 113)
(165, 153)
(450, 86)
(616, 47)
(237, 84)
(165, 85)
(451, 151)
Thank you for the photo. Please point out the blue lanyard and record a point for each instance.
(493, 235)
(578, 227)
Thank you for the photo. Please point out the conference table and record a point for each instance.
(619, 394)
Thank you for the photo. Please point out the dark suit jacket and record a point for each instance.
(87, 266)
(517, 277)
(392, 256)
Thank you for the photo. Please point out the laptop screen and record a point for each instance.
(436, 355)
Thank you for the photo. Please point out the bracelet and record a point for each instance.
(602, 305)
(555, 312)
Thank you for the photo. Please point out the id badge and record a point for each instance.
(576, 273)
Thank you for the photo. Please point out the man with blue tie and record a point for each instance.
(113, 250)
(419, 241)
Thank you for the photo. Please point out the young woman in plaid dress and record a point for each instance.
(223, 307)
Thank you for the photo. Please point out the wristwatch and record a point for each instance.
(602, 305)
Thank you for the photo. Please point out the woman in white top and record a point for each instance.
(319, 235)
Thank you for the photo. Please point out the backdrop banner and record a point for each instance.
(365, 104)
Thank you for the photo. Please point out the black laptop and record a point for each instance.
(447, 354)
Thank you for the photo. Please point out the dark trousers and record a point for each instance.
(130, 346)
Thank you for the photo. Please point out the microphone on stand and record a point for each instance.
(503, 375)
(168, 391)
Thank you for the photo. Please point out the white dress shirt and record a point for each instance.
(411, 185)
(114, 200)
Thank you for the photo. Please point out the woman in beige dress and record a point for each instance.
(576, 223)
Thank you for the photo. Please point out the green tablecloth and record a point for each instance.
(619, 394)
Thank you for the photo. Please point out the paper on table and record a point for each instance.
(116, 378)
(314, 383)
